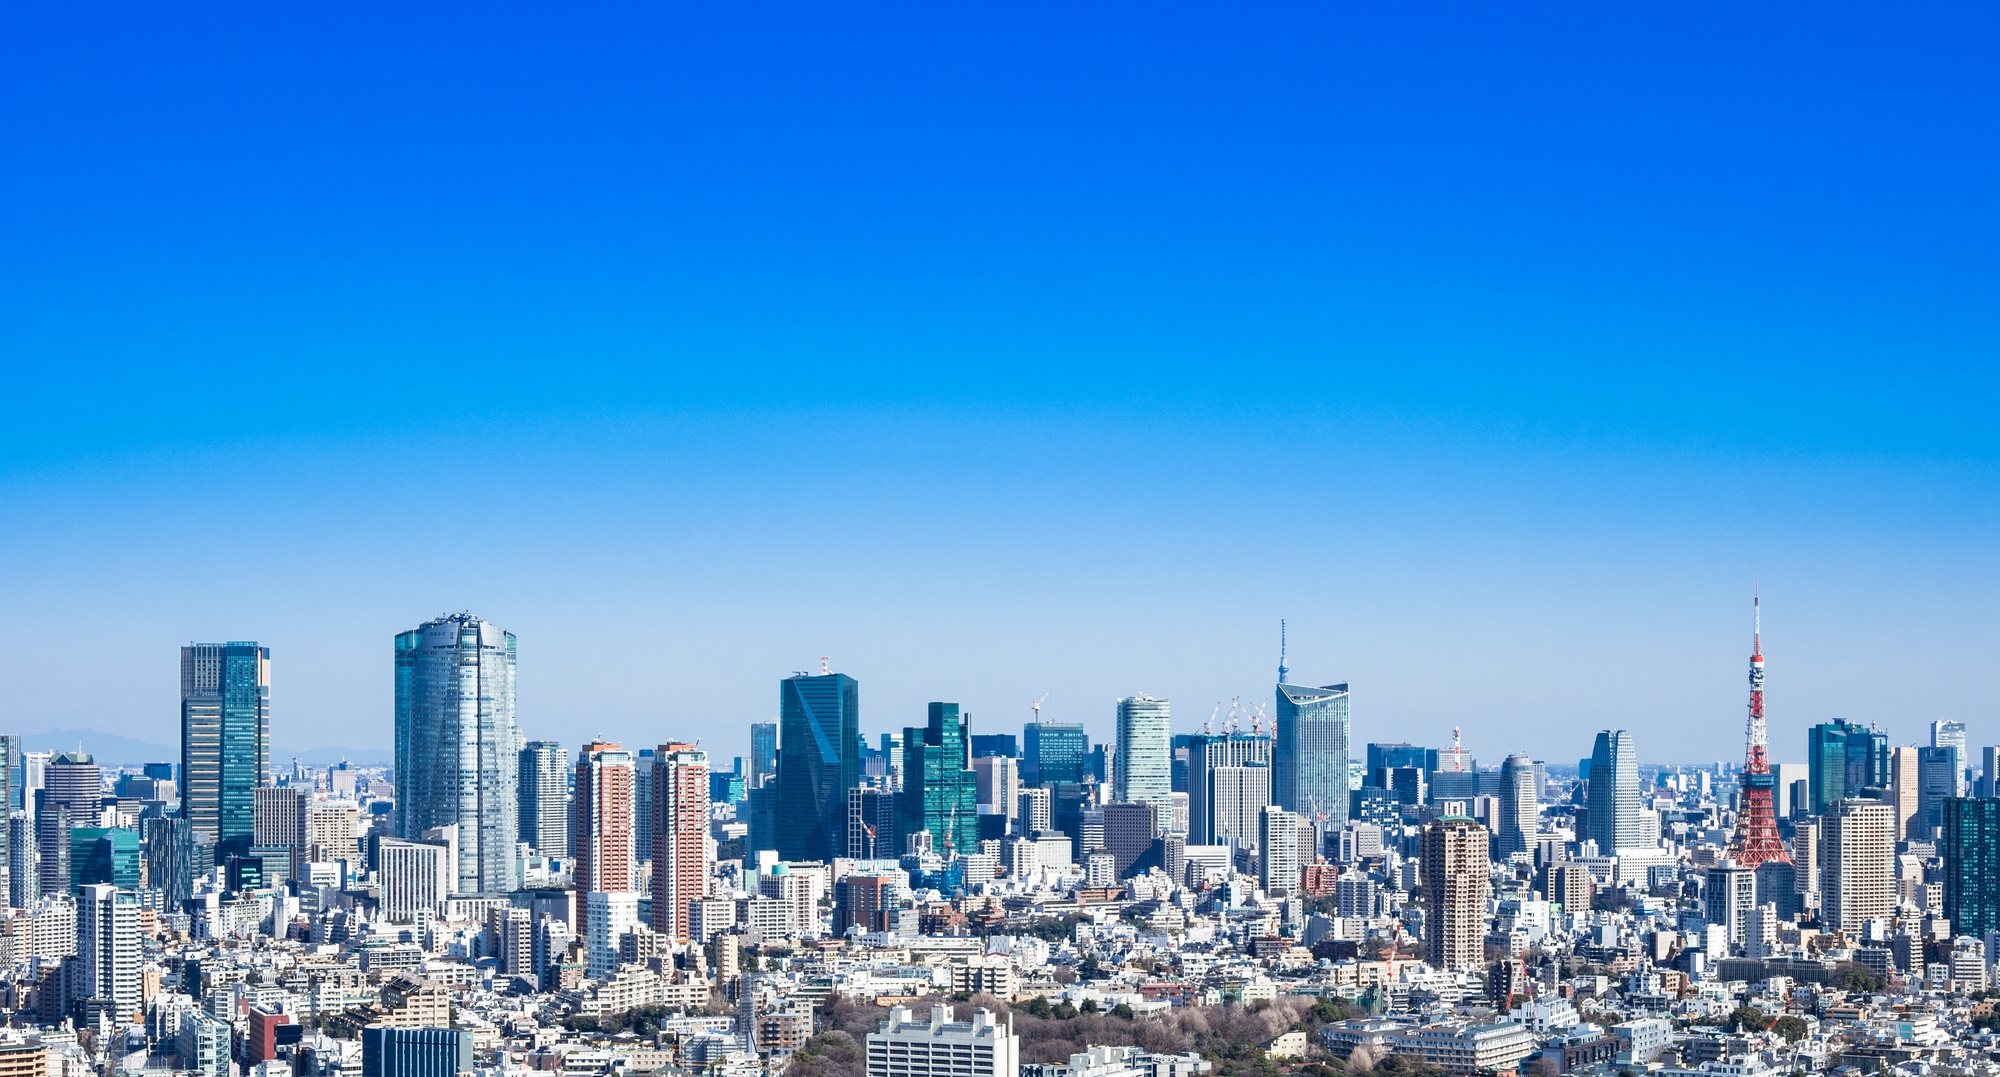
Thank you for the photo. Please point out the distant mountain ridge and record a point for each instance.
(110, 749)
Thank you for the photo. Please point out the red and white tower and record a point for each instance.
(1757, 840)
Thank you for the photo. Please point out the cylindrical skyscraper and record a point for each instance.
(1144, 767)
(1517, 823)
(457, 747)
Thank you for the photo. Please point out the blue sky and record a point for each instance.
(1000, 350)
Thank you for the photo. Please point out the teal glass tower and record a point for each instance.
(1845, 760)
(225, 739)
(1309, 760)
(457, 746)
(1971, 852)
(1053, 752)
(940, 790)
(1144, 766)
(819, 760)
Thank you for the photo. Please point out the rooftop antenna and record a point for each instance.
(1282, 671)
(1036, 706)
(824, 669)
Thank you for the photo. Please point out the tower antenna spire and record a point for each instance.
(1756, 840)
(1282, 671)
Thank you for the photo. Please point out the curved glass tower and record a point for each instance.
(1309, 766)
(458, 750)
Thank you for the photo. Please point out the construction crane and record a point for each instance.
(1208, 727)
(1036, 706)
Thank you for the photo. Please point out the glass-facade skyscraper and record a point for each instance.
(1613, 797)
(1144, 767)
(1053, 752)
(1845, 760)
(458, 750)
(225, 739)
(819, 760)
(544, 778)
(1309, 765)
(1970, 847)
(763, 753)
(940, 790)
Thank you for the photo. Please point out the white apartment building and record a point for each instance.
(941, 1047)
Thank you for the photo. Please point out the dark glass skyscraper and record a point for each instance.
(225, 739)
(1053, 752)
(1613, 793)
(1845, 760)
(1309, 765)
(1971, 852)
(940, 791)
(763, 752)
(819, 760)
(458, 751)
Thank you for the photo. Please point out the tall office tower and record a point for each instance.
(1144, 767)
(1971, 852)
(819, 760)
(1280, 837)
(280, 820)
(1756, 841)
(601, 824)
(940, 793)
(1034, 811)
(225, 738)
(544, 777)
(1614, 793)
(34, 770)
(1846, 760)
(1728, 895)
(1309, 760)
(417, 876)
(108, 948)
(458, 751)
(24, 862)
(680, 841)
(1857, 853)
(872, 824)
(1946, 733)
(1454, 866)
(645, 814)
(1129, 829)
(1806, 850)
(763, 753)
(72, 781)
(1989, 771)
(1208, 752)
(1518, 811)
(1939, 778)
(1053, 752)
(998, 783)
(1905, 791)
(1232, 801)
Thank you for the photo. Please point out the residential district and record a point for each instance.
(1253, 898)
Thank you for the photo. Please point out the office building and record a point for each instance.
(109, 949)
(1455, 891)
(1144, 764)
(1232, 800)
(1519, 813)
(225, 738)
(940, 792)
(763, 753)
(1034, 816)
(1857, 854)
(458, 751)
(942, 1047)
(72, 781)
(873, 828)
(544, 778)
(1939, 778)
(997, 783)
(1053, 752)
(1905, 791)
(819, 760)
(602, 826)
(1948, 734)
(1129, 830)
(1989, 771)
(417, 876)
(1728, 894)
(1309, 764)
(1846, 760)
(1282, 836)
(415, 1052)
(24, 861)
(680, 847)
(52, 846)
(1005, 745)
(203, 1044)
(1970, 849)
(871, 901)
(280, 823)
(1613, 796)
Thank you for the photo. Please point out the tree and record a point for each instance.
(1852, 977)
(1123, 1011)
(1749, 1019)
(1791, 1027)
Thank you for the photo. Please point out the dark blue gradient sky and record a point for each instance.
(995, 349)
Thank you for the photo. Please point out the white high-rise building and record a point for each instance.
(417, 876)
(1236, 798)
(108, 947)
(544, 778)
(1858, 850)
(610, 914)
(1144, 768)
(1281, 838)
(941, 1047)
(1946, 733)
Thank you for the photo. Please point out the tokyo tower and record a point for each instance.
(1756, 841)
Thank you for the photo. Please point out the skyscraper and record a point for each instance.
(1053, 752)
(819, 760)
(1905, 791)
(108, 948)
(763, 753)
(1846, 760)
(680, 842)
(1946, 733)
(225, 739)
(1614, 793)
(1939, 779)
(1144, 764)
(1280, 836)
(72, 781)
(1518, 810)
(940, 792)
(458, 751)
(1857, 850)
(10, 791)
(1309, 768)
(1971, 852)
(601, 825)
(544, 777)
(1455, 888)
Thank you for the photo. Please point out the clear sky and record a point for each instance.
(1001, 349)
